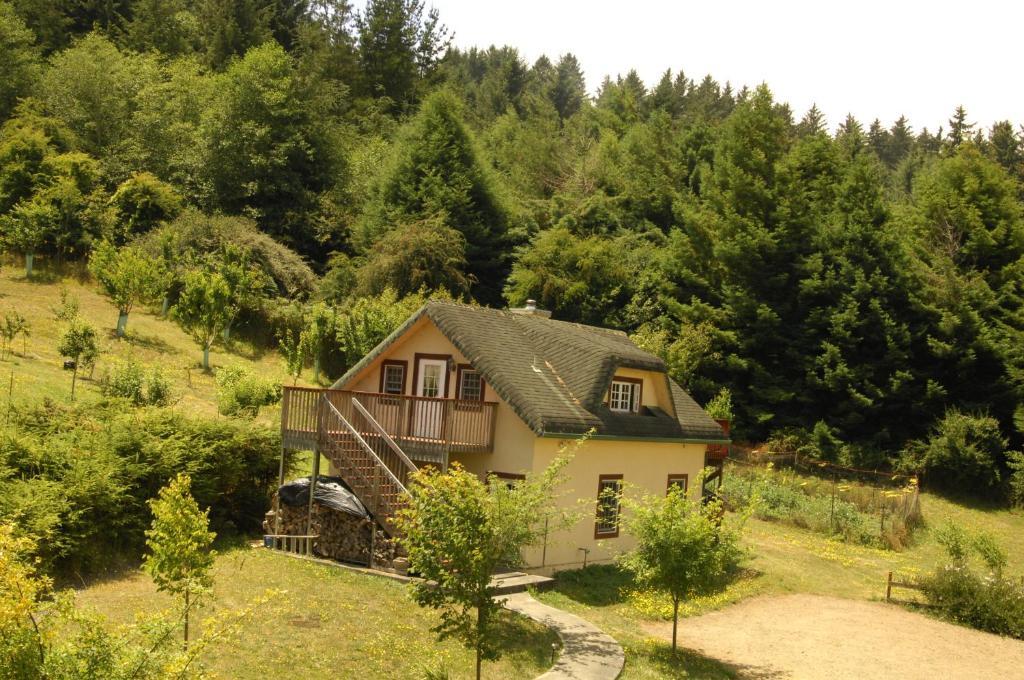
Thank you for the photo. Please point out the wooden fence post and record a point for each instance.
(888, 588)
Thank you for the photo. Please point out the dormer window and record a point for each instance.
(624, 395)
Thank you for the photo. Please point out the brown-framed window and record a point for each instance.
(470, 385)
(609, 495)
(509, 478)
(624, 395)
(392, 376)
(681, 481)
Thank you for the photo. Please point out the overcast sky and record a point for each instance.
(871, 58)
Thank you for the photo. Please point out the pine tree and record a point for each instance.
(812, 123)
(1005, 148)
(398, 47)
(569, 89)
(436, 172)
(901, 141)
(960, 130)
(19, 60)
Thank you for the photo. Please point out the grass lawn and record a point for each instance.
(150, 340)
(783, 559)
(326, 622)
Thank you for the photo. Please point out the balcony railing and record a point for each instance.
(426, 428)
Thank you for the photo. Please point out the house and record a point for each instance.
(500, 391)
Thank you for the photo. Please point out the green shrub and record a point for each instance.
(78, 479)
(1015, 461)
(240, 392)
(962, 453)
(720, 406)
(129, 380)
(961, 594)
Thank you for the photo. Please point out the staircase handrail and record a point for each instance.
(410, 466)
(362, 442)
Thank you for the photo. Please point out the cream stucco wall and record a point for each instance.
(513, 440)
(644, 466)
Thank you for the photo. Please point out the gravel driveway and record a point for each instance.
(810, 637)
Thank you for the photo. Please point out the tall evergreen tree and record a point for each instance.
(19, 61)
(960, 130)
(436, 171)
(399, 45)
(569, 90)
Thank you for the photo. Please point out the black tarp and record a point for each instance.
(331, 492)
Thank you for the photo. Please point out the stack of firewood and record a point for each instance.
(342, 536)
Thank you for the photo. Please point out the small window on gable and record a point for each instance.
(471, 384)
(678, 481)
(624, 395)
(609, 494)
(392, 378)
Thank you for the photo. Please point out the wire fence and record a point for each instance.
(864, 506)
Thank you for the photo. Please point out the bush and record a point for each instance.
(240, 392)
(991, 603)
(78, 478)
(129, 380)
(1015, 461)
(720, 406)
(963, 453)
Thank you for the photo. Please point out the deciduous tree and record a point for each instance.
(180, 557)
(684, 547)
(128, 277)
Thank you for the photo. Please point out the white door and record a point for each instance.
(432, 381)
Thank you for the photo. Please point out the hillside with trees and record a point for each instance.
(301, 175)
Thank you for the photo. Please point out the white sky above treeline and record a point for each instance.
(872, 58)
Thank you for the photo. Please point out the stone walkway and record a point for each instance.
(587, 652)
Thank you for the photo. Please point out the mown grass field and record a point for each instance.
(324, 622)
(151, 341)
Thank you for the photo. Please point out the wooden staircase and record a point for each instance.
(367, 458)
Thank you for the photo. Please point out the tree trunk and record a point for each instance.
(29, 257)
(186, 617)
(675, 622)
(227, 333)
(74, 378)
(166, 306)
(122, 322)
(316, 371)
(206, 357)
(479, 639)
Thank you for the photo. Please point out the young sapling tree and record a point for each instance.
(203, 308)
(321, 330)
(79, 343)
(683, 547)
(459, 530)
(128, 277)
(180, 558)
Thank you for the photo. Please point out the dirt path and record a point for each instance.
(810, 636)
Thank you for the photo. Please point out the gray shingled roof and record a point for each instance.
(555, 374)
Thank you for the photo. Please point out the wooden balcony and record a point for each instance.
(426, 428)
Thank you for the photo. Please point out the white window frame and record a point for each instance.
(616, 400)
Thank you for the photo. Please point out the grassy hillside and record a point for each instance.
(150, 340)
